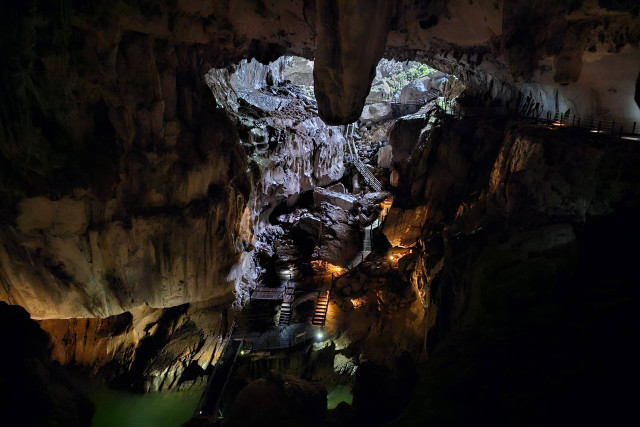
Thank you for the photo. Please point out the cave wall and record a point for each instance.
(94, 249)
(522, 248)
(170, 345)
(123, 184)
(104, 102)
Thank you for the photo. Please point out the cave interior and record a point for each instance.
(318, 212)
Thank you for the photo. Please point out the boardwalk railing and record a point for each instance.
(212, 396)
(353, 157)
(429, 96)
(281, 338)
(566, 121)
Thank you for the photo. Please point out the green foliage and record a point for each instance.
(400, 80)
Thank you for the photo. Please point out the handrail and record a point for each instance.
(355, 159)
(430, 95)
(567, 121)
(226, 381)
(205, 394)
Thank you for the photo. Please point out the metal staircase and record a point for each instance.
(285, 314)
(286, 309)
(320, 313)
(353, 157)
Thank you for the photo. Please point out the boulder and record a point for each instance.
(415, 91)
(344, 201)
(311, 225)
(384, 156)
(337, 188)
(340, 239)
(375, 113)
(403, 226)
(278, 400)
(355, 184)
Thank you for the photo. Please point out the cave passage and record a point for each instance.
(317, 239)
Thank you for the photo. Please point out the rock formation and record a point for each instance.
(125, 332)
(512, 214)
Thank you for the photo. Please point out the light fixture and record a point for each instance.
(319, 335)
(241, 352)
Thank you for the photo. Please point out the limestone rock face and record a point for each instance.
(146, 275)
(335, 234)
(515, 214)
(145, 349)
(341, 239)
(286, 142)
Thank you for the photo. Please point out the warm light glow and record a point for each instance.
(395, 254)
(321, 267)
(358, 302)
(386, 206)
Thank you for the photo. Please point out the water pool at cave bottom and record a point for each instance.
(339, 394)
(116, 408)
(157, 409)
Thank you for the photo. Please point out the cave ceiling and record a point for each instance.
(575, 47)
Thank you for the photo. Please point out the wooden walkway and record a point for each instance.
(267, 293)
(612, 128)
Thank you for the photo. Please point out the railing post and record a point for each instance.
(620, 135)
(612, 126)
(578, 122)
(633, 130)
(573, 122)
(599, 124)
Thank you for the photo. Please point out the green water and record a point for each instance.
(121, 409)
(339, 394)
(168, 409)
